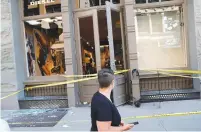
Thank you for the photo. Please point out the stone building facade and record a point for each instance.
(197, 10)
(8, 58)
(13, 65)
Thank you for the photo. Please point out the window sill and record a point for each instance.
(37, 80)
(152, 74)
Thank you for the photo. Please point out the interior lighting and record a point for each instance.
(33, 22)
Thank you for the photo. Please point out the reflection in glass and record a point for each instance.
(165, 0)
(149, 1)
(45, 47)
(102, 2)
(87, 45)
(143, 24)
(152, 1)
(156, 21)
(140, 1)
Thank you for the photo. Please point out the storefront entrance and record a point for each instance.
(100, 44)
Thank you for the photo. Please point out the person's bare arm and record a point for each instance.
(106, 126)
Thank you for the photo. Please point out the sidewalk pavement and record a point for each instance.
(71, 121)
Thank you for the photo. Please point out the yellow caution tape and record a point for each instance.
(73, 81)
(91, 78)
(126, 118)
(174, 71)
(14, 93)
(56, 84)
(72, 76)
(91, 75)
(163, 115)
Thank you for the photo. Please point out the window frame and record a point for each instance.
(184, 38)
(158, 4)
(78, 8)
(23, 19)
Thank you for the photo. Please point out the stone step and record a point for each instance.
(45, 102)
(170, 97)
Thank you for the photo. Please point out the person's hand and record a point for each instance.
(122, 123)
(127, 127)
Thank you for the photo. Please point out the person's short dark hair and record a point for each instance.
(105, 77)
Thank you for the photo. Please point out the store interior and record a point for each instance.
(88, 44)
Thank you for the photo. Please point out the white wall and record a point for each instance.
(194, 48)
(197, 10)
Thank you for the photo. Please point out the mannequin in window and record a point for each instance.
(105, 57)
(44, 59)
(57, 67)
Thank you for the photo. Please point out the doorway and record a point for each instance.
(100, 44)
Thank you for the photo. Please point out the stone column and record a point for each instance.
(197, 11)
(13, 68)
(66, 7)
(194, 42)
(131, 45)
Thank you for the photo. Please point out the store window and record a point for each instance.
(160, 43)
(117, 40)
(149, 1)
(45, 46)
(44, 38)
(41, 7)
(87, 45)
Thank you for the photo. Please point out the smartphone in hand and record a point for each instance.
(134, 123)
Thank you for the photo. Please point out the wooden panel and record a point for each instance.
(120, 94)
(87, 90)
(120, 90)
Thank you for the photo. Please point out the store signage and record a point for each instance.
(39, 2)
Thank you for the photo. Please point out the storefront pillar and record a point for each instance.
(132, 46)
(110, 36)
(194, 38)
(67, 33)
(197, 12)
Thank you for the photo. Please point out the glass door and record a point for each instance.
(115, 32)
(116, 50)
(87, 42)
(87, 48)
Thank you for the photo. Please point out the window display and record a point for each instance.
(45, 47)
(41, 7)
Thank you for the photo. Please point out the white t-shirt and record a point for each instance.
(4, 127)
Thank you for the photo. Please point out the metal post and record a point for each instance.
(159, 94)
